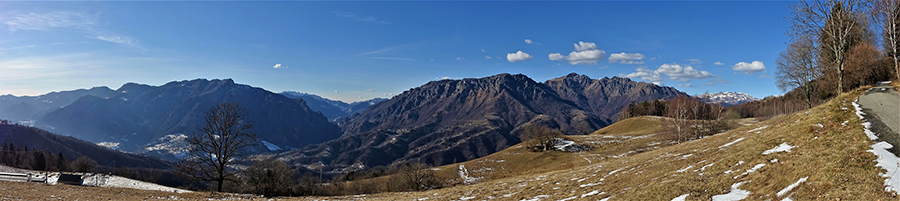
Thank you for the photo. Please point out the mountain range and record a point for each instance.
(440, 122)
(449, 121)
(332, 109)
(728, 98)
(136, 116)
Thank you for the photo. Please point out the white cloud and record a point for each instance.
(683, 73)
(626, 58)
(585, 53)
(79, 21)
(718, 63)
(370, 90)
(46, 21)
(368, 19)
(124, 40)
(487, 57)
(557, 57)
(460, 59)
(749, 68)
(685, 85)
(695, 61)
(337, 92)
(674, 71)
(529, 41)
(278, 66)
(518, 56)
(482, 50)
(395, 58)
(646, 75)
(584, 46)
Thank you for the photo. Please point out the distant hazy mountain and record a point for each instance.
(332, 109)
(447, 121)
(26, 108)
(141, 116)
(72, 148)
(606, 97)
(728, 98)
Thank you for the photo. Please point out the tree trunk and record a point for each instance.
(221, 179)
(840, 78)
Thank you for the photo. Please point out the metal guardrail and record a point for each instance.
(19, 177)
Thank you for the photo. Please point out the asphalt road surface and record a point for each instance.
(882, 108)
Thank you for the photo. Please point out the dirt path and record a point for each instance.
(882, 107)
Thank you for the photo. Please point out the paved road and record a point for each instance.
(883, 103)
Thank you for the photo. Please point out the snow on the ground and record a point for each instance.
(757, 129)
(754, 169)
(681, 198)
(791, 187)
(102, 180)
(606, 199)
(886, 160)
(783, 147)
(469, 198)
(889, 162)
(685, 169)
(595, 192)
(111, 145)
(731, 143)
(734, 195)
(270, 146)
(464, 175)
(569, 146)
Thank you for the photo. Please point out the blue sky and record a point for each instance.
(353, 51)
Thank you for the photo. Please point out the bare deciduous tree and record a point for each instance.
(839, 24)
(678, 125)
(418, 176)
(887, 14)
(539, 138)
(220, 140)
(798, 67)
(270, 177)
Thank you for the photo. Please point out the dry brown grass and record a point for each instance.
(834, 157)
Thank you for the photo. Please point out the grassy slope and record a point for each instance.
(834, 157)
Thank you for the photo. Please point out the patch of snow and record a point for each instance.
(111, 145)
(791, 187)
(685, 169)
(757, 129)
(681, 198)
(270, 146)
(569, 146)
(884, 82)
(889, 162)
(466, 198)
(595, 192)
(774, 160)
(783, 147)
(606, 199)
(535, 198)
(121, 182)
(734, 195)
(751, 170)
(464, 175)
(731, 143)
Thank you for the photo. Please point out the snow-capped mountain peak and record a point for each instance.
(728, 98)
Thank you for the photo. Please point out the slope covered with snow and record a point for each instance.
(728, 98)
